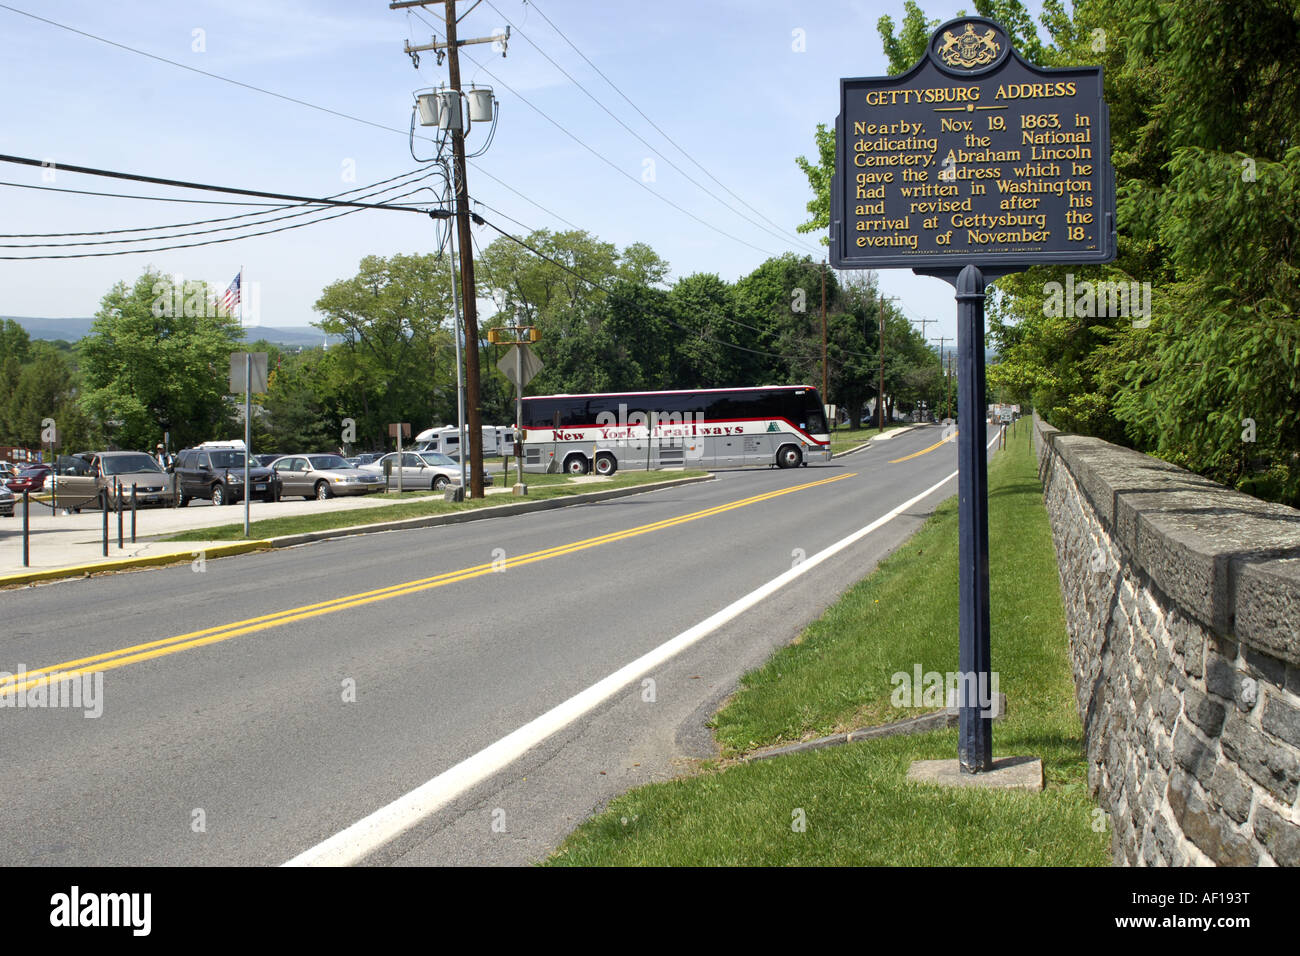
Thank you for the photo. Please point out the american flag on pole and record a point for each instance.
(231, 297)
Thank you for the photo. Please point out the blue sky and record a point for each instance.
(724, 78)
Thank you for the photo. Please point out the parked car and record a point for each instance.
(31, 478)
(217, 473)
(266, 461)
(6, 502)
(368, 458)
(114, 472)
(420, 470)
(323, 476)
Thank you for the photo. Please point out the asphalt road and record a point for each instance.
(253, 746)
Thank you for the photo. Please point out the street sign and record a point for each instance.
(972, 157)
(531, 366)
(405, 428)
(258, 374)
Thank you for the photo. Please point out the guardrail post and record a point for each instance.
(26, 526)
(133, 512)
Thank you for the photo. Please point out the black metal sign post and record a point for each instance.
(974, 719)
(971, 165)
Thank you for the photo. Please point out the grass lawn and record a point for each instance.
(842, 439)
(856, 805)
(550, 486)
(497, 482)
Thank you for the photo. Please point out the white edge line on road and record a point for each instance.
(368, 834)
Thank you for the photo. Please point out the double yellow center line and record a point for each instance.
(923, 451)
(110, 660)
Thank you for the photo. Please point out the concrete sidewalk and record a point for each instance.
(71, 545)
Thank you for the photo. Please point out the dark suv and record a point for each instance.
(218, 474)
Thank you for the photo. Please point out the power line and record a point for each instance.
(611, 164)
(273, 207)
(370, 193)
(724, 318)
(255, 89)
(524, 226)
(212, 242)
(183, 184)
(641, 138)
(656, 126)
(609, 292)
(90, 192)
(501, 182)
(194, 69)
(350, 206)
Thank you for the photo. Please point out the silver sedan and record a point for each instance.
(420, 469)
(323, 476)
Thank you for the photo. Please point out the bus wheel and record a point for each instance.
(576, 464)
(788, 456)
(606, 465)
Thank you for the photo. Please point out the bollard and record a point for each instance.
(117, 502)
(103, 500)
(133, 512)
(26, 513)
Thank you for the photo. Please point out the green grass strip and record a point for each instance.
(852, 805)
(549, 487)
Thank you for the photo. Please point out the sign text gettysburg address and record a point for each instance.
(1002, 165)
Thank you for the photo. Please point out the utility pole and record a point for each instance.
(469, 297)
(943, 364)
(825, 378)
(949, 415)
(924, 323)
(880, 395)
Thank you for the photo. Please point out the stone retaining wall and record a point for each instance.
(1182, 600)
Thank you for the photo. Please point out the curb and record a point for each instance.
(841, 454)
(478, 514)
(288, 541)
(175, 557)
(884, 436)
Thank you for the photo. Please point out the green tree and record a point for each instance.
(395, 360)
(1207, 181)
(158, 358)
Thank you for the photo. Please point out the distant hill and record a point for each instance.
(70, 330)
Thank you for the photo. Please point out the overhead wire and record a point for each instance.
(609, 162)
(533, 5)
(270, 207)
(257, 89)
(207, 242)
(350, 206)
(518, 30)
(312, 209)
(612, 294)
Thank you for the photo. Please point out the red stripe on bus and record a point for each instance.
(706, 421)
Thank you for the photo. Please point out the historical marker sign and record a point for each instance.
(971, 165)
(972, 157)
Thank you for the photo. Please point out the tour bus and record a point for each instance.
(783, 425)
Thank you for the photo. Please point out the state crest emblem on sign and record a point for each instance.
(969, 49)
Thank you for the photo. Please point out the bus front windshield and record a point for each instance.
(816, 420)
